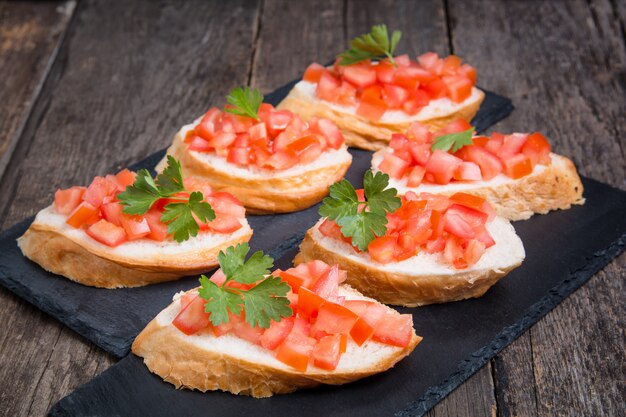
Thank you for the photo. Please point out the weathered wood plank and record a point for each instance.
(473, 398)
(128, 75)
(30, 35)
(562, 64)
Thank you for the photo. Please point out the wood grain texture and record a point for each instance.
(126, 78)
(564, 66)
(30, 34)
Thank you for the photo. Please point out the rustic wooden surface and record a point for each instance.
(92, 88)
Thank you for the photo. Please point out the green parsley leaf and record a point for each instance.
(247, 272)
(453, 140)
(375, 44)
(267, 301)
(170, 181)
(264, 302)
(220, 301)
(363, 225)
(244, 102)
(180, 220)
(139, 197)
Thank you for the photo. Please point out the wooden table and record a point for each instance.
(90, 87)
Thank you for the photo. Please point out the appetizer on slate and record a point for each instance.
(269, 159)
(248, 332)
(415, 249)
(129, 230)
(517, 174)
(370, 94)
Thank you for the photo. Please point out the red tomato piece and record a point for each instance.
(258, 132)
(99, 189)
(537, 149)
(482, 235)
(294, 281)
(420, 133)
(192, 318)
(473, 217)
(296, 350)
(453, 252)
(382, 249)
(224, 223)
(112, 212)
(442, 165)
(394, 166)
(83, 214)
(512, 145)
(454, 223)
(436, 89)
(468, 200)
(319, 268)
(517, 166)
(107, 233)
(394, 329)
(327, 285)
(468, 71)
(428, 60)
(371, 106)
(328, 130)
(65, 201)
(331, 229)
(459, 87)
(226, 203)
(313, 73)
(494, 144)
(416, 175)
(334, 318)
(245, 331)
(489, 164)
(276, 333)
(199, 145)
(474, 251)
(239, 156)
(282, 159)
(158, 229)
(308, 148)
(385, 72)
(360, 76)
(456, 126)
(308, 303)
(398, 141)
(136, 227)
(125, 178)
(328, 87)
(420, 152)
(468, 171)
(327, 352)
(402, 60)
(222, 140)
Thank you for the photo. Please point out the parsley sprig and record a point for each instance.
(264, 302)
(244, 102)
(453, 141)
(361, 220)
(375, 44)
(179, 214)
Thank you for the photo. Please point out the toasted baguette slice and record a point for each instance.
(549, 187)
(205, 362)
(64, 250)
(263, 191)
(366, 134)
(424, 278)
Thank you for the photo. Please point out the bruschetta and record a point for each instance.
(413, 250)
(516, 173)
(269, 159)
(301, 329)
(129, 230)
(370, 94)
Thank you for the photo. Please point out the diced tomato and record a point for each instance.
(65, 201)
(398, 141)
(436, 89)
(107, 233)
(480, 140)
(385, 72)
(276, 333)
(394, 329)
(435, 245)
(99, 189)
(282, 159)
(456, 126)
(327, 285)
(199, 144)
(512, 145)
(327, 352)
(453, 252)
(83, 214)
(223, 140)
(112, 212)
(420, 133)
(394, 166)
(360, 76)
(239, 156)
(517, 166)
(474, 251)
(361, 331)
(482, 234)
(295, 281)
(459, 87)
(489, 164)
(395, 96)
(468, 171)
(328, 130)
(420, 152)
(473, 217)
(313, 73)
(158, 229)
(537, 149)
(125, 178)
(334, 318)
(192, 318)
(319, 268)
(494, 144)
(136, 227)
(258, 132)
(278, 121)
(296, 350)
(428, 60)
(308, 303)
(224, 223)
(328, 87)
(187, 297)
(245, 331)
(371, 107)
(455, 224)
(382, 249)
(469, 200)
(416, 175)
(226, 203)
(468, 71)
(308, 148)
(331, 229)
(442, 165)
(402, 60)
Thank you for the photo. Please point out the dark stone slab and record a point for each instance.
(564, 249)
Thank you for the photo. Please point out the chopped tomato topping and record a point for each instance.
(107, 233)
(192, 317)
(66, 201)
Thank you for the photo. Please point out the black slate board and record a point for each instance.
(112, 318)
(564, 249)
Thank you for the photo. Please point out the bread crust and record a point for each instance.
(168, 353)
(410, 290)
(360, 132)
(280, 194)
(556, 187)
(89, 265)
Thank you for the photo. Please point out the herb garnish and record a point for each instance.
(453, 140)
(375, 44)
(244, 102)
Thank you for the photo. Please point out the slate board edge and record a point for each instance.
(478, 359)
